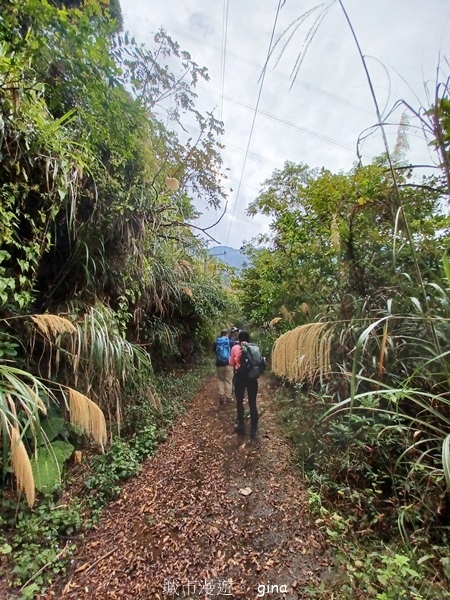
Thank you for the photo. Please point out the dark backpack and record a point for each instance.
(222, 351)
(252, 363)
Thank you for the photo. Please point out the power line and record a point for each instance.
(231, 147)
(223, 56)
(259, 67)
(272, 117)
(222, 68)
(254, 118)
(289, 124)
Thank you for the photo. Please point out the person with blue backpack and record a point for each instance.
(222, 348)
(234, 336)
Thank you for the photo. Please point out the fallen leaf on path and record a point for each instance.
(179, 521)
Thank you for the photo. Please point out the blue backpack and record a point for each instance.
(222, 351)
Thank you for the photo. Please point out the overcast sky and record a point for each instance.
(318, 121)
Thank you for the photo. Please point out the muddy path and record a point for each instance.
(212, 514)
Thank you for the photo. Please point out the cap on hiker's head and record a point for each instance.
(233, 329)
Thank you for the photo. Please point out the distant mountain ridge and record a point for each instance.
(230, 256)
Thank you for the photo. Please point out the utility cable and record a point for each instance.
(273, 73)
(222, 67)
(223, 57)
(254, 118)
(272, 117)
(231, 147)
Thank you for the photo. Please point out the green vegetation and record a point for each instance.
(366, 253)
(37, 546)
(104, 282)
(102, 279)
(107, 295)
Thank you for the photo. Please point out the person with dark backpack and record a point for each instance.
(248, 364)
(222, 348)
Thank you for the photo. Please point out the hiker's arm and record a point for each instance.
(234, 355)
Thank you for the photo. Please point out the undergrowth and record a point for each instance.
(387, 528)
(36, 546)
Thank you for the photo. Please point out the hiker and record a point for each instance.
(222, 348)
(233, 341)
(248, 364)
(234, 336)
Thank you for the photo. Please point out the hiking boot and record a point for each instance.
(229, 400)
(239, 428)
(253, 433)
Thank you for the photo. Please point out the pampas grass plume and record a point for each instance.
(87, 416)
(52, 325)
(172, 184)
(22, 466)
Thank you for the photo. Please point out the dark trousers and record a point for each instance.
(251, 385)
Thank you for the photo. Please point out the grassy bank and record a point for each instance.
(383, 548)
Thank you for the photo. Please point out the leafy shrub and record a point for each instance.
(43, 537)
(361, 481)
(117, 464)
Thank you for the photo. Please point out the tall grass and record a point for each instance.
(98, 359)
(89, 354)
(24, 399)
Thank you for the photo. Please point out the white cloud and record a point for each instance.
(201, 24)
(317, 121)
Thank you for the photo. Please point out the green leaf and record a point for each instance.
(48, 466)
(5, 549)
(64, 448)
(446, 263)
(29, 591)
(51, 427)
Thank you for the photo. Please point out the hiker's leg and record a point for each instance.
(252, 391)
(229, 382)
(221, 382)
(239, 390)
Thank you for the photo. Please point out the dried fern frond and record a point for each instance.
(188, 291)
(153, 399)
(52, 325)
(305, 310)
(325, 352)
(37, 399)
(185, 263)
(21, 466)
(87, 416)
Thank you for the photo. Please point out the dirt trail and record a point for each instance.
(183, 527)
